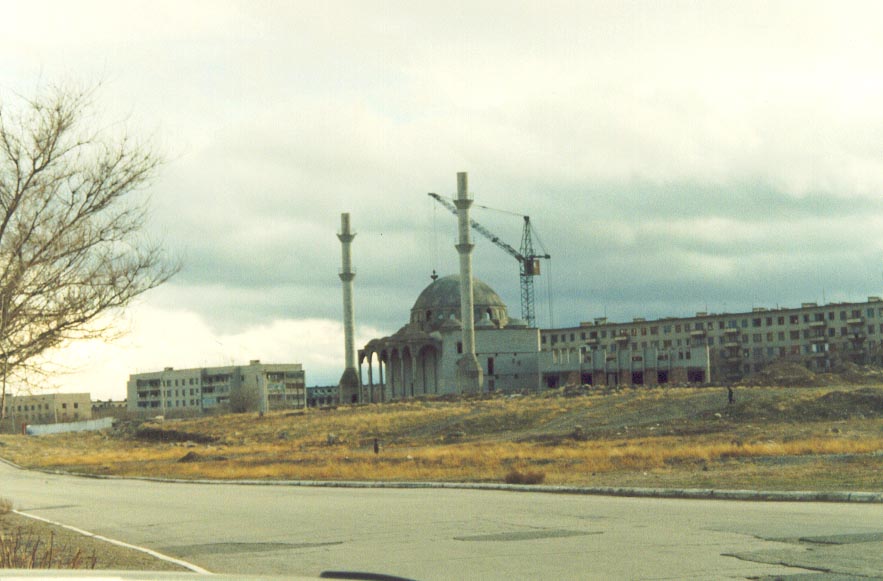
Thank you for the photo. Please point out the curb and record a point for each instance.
(676, 493)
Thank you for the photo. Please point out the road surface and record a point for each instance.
(452, 534)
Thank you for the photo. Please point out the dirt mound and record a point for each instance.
(782, 374)
(152, 434)
(861, 403)
(848, 372)
(194, 457)
(795, 374)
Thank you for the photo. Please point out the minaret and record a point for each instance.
(349, 382)
(469, 375)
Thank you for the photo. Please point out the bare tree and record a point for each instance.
(72, 251)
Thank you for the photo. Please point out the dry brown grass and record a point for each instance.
(491, 442)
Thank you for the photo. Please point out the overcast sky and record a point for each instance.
(674, 157)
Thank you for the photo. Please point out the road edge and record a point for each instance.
(676, 493)
(155, 554)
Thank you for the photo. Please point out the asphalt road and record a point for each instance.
(452, 534)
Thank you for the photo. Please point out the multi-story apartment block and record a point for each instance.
(48, 408)
(182, 391)
(713, 347)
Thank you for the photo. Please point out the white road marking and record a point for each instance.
(152, 553)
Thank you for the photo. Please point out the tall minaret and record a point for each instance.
(469, 375)
(349, 382)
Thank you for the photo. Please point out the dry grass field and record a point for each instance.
(773, 438)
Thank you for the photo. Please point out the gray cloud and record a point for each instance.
(671, 157)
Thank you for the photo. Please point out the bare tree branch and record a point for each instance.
(71, 248)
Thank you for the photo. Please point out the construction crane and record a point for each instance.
(528, 260)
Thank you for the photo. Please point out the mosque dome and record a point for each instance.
(440, 301)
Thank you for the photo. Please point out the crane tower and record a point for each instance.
(528, 259)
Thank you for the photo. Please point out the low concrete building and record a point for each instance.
(197, 390)
(47, 408)
(109, 409)
(322, 396)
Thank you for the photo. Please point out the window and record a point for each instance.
(805, 318)
(781, 335)
(793, 319)
(720, 324)
(795, 335)
(744, 323)
(769, 321)
(76, 405)
(780, 321)
(757, 337)
(677, 328)
(64, 406)
(755, 322)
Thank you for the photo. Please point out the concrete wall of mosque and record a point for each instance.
(509, 358)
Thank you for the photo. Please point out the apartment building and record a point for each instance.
(735, 344)
(196, 390)
(48, 408)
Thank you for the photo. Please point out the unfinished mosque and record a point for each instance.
(421, 357)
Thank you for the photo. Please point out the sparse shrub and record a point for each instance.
(21, 550)
(5, 507)
(515, 476)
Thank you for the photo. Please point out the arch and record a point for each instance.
(427, 369)
(394, 373)
(407, 373)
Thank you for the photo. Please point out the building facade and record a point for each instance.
(47, 408)
(188, 391)
(421, 358)
(725, 346)
(322, 396)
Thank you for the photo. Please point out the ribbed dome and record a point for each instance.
(441, 301)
